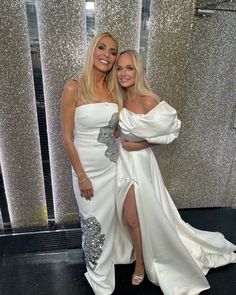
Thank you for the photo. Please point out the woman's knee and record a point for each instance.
(132, 222)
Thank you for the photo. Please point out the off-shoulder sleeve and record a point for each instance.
(160, 126)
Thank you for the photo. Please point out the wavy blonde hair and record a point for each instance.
(141, 86)
(86, 79)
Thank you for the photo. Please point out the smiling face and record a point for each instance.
(104, 55)
(126, 72)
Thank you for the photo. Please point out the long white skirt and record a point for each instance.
(176, 256)
(98, 151)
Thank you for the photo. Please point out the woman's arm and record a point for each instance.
(147, 103)
(68, 104)
(135, 146)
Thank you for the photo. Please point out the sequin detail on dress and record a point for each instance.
(106, 136)
(92, 241)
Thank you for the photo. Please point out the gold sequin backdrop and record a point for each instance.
(190, 63)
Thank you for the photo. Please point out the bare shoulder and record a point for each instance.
(71, 86)
(150, 102)
(70, 93)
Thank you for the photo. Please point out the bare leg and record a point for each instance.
(130, 216)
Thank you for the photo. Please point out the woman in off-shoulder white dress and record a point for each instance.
(173, 254)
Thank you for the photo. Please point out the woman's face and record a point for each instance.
(105, 54)
(126, 72)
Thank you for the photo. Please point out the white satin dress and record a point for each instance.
(176, 256)
(98, 152)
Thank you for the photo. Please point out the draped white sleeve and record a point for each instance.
(160, 125)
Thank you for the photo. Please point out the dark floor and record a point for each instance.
(61, 272)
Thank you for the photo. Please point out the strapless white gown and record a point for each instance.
(98, 152)
(176, 255)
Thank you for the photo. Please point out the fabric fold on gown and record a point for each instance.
(176, 255)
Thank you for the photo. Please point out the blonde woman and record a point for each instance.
(89, 115)
(173, 254)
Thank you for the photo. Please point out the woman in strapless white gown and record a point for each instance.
(173, 254)
(89, 112)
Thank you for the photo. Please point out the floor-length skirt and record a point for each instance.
(98, 152)
(176, 256)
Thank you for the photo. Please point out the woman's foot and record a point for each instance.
(138, 275)
(137, 280)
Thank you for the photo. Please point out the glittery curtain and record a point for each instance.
(62, 35)
(204, 172)
(122, 18)
(208, 3)
(168, 45)
(20, 156)
(191, 62)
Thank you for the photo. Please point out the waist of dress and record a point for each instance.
(84, 134)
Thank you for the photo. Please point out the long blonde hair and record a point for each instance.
(86, 79)
(141, 86)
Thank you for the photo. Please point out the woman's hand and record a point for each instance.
(86, 188)
(135, 146)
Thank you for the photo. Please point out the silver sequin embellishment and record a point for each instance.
(106, 136)
(92, 241)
